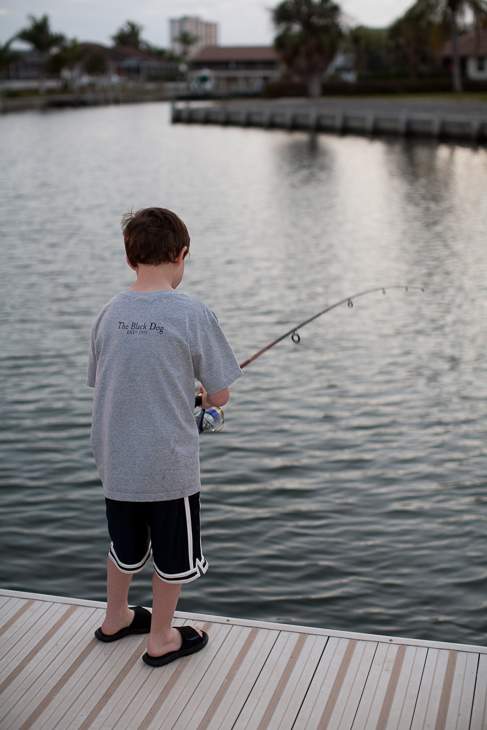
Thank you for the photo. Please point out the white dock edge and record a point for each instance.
(252, 674)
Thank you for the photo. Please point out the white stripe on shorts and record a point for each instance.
(129, 568)
(189, 532)
(200, 569)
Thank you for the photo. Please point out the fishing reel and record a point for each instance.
(210, 420)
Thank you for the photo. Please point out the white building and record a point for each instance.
(241, 69)
(206, 33)
(472, 49)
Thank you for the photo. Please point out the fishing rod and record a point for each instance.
(212, 419)
(294, 331)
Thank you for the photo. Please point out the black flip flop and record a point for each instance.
(192, 642)
(140, 625)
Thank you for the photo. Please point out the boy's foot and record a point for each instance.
(191, 642)
(140, 625)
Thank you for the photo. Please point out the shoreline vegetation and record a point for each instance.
(437, 45)
(54, 100)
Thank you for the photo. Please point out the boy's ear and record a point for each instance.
(180, 257)
(134, 268)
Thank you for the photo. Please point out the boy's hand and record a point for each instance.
(204, 395)
(215, 399)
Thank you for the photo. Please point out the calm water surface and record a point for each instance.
(348, 489)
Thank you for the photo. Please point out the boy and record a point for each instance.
(148, 345)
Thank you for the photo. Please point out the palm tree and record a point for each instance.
(186, 42)
(452, 12)
(7, 57)
(416, 38)
(308, 33)
(69, 57)
(369, 46)
(41, 37)
(95, 63)
(129, 34)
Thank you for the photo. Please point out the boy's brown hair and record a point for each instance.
(154, 236)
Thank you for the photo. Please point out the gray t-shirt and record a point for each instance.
(146, 352)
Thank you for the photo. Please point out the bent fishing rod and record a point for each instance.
(293, 333)
(212, 419)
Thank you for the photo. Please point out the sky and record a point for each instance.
(241, 22)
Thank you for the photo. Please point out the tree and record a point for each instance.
(161, 53)
(186, 41)
(129, 34)
(7, 57)
(69, 57)
(95, 63)
(308, 34)
(40, 36)
(452, 12)
(369, 46)
(416, 38)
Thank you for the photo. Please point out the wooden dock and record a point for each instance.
(254, 675)
(364, 118)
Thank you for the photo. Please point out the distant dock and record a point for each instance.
(253, 675)
(400, 117)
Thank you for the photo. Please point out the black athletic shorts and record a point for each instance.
(169, 531)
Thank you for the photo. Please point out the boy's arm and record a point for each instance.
(214, 399)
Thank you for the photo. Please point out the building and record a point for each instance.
(206, 33)
(472, 49)
(118, 63)
(136, 65)
(241, 69)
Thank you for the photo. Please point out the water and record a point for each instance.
(348, 488)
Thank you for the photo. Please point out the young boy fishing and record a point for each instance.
(148, 346)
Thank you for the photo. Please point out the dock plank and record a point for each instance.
(11, 611)
(271, 681)
(195, 669)
(399, 703)
(380, 687)
(462, 692)
(144, 693)
(282, 714)
(21, 623)
(22, 648)
(479, 710)
(224, 690)
(38, 675)
(37, 690)
(252, 676)
(90, 681)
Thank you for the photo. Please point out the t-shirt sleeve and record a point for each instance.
(91, 379)
(215, 365)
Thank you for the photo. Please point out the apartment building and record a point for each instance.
(206, 33)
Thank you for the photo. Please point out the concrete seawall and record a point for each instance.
(427, 118)
(60, 101)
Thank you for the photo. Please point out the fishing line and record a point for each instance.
(212, 419)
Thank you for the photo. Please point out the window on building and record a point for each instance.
(481, 65)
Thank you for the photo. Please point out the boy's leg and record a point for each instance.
(130, 549)
(118, 615)
(175, 531)
(163, 638)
